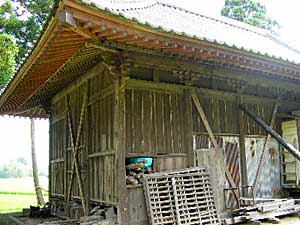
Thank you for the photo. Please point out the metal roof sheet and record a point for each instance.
(222, 30)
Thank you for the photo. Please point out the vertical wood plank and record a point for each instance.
(147, 121)
(128, 123)
(154, 123)
(188, 126)
(175, 123)
(159, 124)
(119, 146)
(216, 115)
(167, 125)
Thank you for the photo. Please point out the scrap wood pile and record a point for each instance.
(267, 210)
(136, 168)
(100, 216)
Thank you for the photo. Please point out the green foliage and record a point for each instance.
(249, 11)
(8, 51)
(15, 169)
(22, 20)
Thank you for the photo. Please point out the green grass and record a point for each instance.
(15, 203)
(19, 193)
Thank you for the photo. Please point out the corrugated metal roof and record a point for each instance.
(222, 30)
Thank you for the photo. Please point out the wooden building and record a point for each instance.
(120, 79)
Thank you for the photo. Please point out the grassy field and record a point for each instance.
(16, 194)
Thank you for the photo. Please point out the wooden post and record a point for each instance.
(38, 191)
(243, 160)
(119, 146)
(65, 151)
(87, 181)
(268, 129)
(298, 137)
(50, 157)
(188, 117)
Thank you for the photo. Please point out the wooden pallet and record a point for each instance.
(182, 197)
(269, 210)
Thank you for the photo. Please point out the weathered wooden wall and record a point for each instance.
(156, 123)
(160, 121)
(101, 152)
(222, 112)
(57, 151)
(96, 150)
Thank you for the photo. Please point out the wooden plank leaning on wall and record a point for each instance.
(215, 144)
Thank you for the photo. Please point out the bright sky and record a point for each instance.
(15, 140)
(15, 132)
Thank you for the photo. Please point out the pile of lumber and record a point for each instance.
(135, 173)
(100, 216)
(268, 210)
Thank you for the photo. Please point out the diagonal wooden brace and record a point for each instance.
(267, 139)
(75, 145)
(215, 144)
(269, 130)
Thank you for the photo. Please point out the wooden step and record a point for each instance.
(289, 174)
(288, 162)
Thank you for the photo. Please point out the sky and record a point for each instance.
(15, 132)
(15, 140)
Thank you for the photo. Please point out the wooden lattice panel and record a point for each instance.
(160, 198)
(183, 197)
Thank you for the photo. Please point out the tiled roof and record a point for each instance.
(181, 21)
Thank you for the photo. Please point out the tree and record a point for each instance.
(249, 11)
(20, 23)
(8, 51)
(35, 173)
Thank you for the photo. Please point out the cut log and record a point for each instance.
(269, 130)
(269, 207)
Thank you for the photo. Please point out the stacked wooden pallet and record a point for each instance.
(180, 197)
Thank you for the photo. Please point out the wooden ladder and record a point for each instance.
(289, 170)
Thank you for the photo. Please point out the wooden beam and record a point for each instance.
(118, 36)
(119, 146)
(105, 33)
(204, 120)
(242, 147)
(269, 130)
(67, 39)
(67, 43)
(267, 140)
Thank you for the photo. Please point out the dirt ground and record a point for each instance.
(289, 220)
(5, 220)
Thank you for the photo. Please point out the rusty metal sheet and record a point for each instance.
(268, 185)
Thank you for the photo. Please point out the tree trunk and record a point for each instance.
(38, 190)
